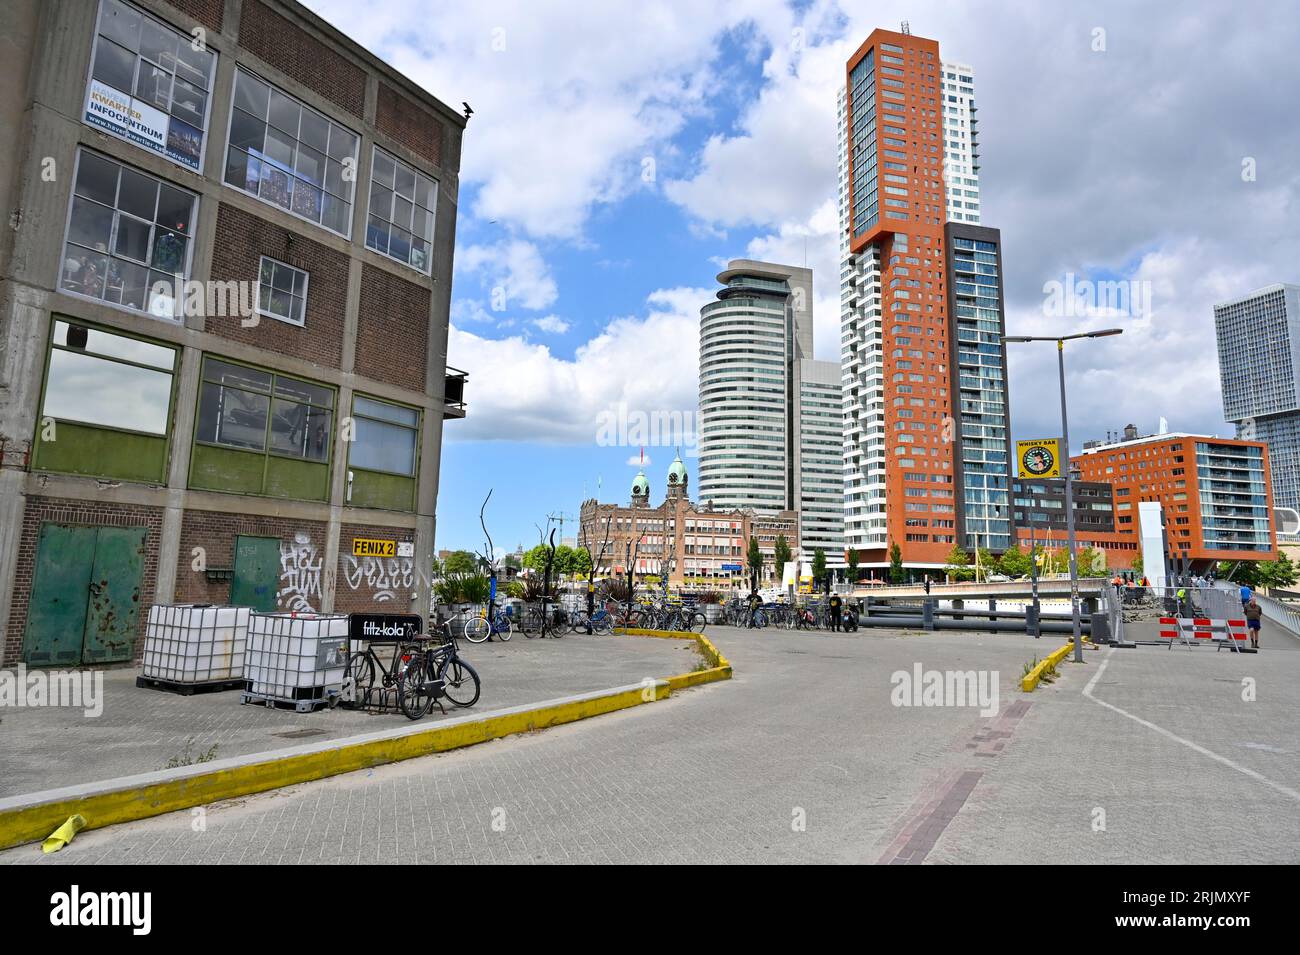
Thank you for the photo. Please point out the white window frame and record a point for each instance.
(306, 282)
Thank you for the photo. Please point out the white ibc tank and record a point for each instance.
(293, 656)
(195, 643)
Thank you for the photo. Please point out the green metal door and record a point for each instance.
(114, 595)
(85, 602)
(257, 573)
(56, 612)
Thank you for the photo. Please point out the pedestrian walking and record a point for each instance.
(1246, 594)
(927, 583)
(1254, 615)
(837, 606)
(755, 601)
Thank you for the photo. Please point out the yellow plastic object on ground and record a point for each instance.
(61, 836)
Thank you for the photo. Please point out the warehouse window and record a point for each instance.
(149, 84)
(108, 380)
(128, 237)
(385, 438)
(242, 407)
(402, 203)
(282, 291)
(291, 156)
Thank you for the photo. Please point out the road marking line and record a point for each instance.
(1244, 770)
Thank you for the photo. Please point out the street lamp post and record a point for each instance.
(1069, 479)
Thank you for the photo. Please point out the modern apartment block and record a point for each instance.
(961, 158)
(982, 432)
(909, 204)
(1040, 520)
(770, 414)
(1259, 369)
(1215, 492)
(224, 301)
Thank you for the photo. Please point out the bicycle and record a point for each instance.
(431, 673)
(364, 667)
(477, 628)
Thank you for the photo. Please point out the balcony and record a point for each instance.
(453, 405)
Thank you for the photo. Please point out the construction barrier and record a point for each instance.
(1188, 630)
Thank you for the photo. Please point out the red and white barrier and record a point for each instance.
(1190, 629)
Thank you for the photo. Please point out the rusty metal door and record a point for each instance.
(85, 602)
(114, 593)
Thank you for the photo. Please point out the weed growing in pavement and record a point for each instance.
(186, 757)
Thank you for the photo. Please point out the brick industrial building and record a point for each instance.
(224, 300)
(697, 545)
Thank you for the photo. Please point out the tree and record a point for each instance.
(781, 555)
(511, 562)
(818, 567)
(1137, 565)
(958, 564)
(988, 564)
(851, 558)
(460, 562)
(896, 573)
(754, 558)
(1282, 573)
(1014, 562)
(1090, 561)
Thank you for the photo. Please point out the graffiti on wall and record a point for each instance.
(300, 574)
(383, 575)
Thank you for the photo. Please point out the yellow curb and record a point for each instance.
(1031, 679)
(33, 823)
(720, 670)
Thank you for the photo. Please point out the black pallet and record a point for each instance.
(189, 689)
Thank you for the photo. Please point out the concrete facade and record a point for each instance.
(374, 324)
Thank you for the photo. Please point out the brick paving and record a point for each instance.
(141, 729)
(804, 757)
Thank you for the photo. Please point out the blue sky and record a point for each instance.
(620, 153)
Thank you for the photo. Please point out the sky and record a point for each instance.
(621, 153)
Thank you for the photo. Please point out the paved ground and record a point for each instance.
(141, 729)
(804, 757)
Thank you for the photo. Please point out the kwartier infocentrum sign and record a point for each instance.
(137, 122)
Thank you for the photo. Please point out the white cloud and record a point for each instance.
(637, 461)
(512, 272)
(568, 98)
(521, 391)
(552, 323)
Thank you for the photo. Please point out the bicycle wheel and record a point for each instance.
(505, 627)
(477, 629)
(460, 682)
(414, 693)
(602, 622)
(361, 671)
(697, 622)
